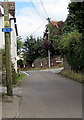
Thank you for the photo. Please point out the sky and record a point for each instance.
(31, 15)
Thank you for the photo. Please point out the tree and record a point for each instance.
(19, 45)
(33, 48)
(53, 38)
(75, 21)
(69, 24)
(72, 50)
(77, 10)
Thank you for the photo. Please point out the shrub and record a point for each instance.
(71, 47)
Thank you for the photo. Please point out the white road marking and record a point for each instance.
(25, 72)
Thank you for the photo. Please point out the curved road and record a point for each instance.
(46, 94)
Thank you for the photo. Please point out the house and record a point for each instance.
(56, 24)
(14, 32)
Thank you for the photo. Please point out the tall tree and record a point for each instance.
(53, 38)
(75, 21)
(33, 48)
(19, 45)
(77, 10)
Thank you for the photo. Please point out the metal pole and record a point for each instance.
(7, 50)
(49, 63)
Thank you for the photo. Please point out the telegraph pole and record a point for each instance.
(7, 49)
(49, 65)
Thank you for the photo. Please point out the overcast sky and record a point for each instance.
(31, 18)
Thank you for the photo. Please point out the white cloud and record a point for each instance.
(28, 20)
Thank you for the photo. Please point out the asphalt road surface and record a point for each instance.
(46, 94)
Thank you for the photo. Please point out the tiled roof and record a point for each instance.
(55, 23)
(11, 7)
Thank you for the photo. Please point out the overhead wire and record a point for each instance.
(36, 10)
(43, 8)
(39, 15)
(38, 28)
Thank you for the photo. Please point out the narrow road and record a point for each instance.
(49, 95)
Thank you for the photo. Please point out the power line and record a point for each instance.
(36, 10)
(44, 8)
(38, 28)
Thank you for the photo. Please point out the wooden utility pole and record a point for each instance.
(7, 50)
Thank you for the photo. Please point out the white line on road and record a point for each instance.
(25, 72)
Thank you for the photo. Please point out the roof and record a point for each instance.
(11, 7)
(55, 23)
(11, 11)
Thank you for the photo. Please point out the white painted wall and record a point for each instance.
(13, 40)
(2, 42)
(13, 45)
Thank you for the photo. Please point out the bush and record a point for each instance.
(14, 76)
(4, 70)
(71, 47)
(20, 62)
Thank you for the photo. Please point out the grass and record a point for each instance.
(75, 76)
(18, 79)
(22, 75)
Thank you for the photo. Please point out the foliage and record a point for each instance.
(14, 75)
(18, 78)
(72, 42)
(1, 57)
(4, 69)
(75, 19)
(71, 46)
(69, 25)
(19, 45)
(75, 76)
(77, 10)
(3, 66)
(54, 38)
(20, 62)
(33, 48)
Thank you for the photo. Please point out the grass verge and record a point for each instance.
(75, 76)
(22, 75)
(18, 79)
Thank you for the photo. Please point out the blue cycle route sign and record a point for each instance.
(6, 29)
